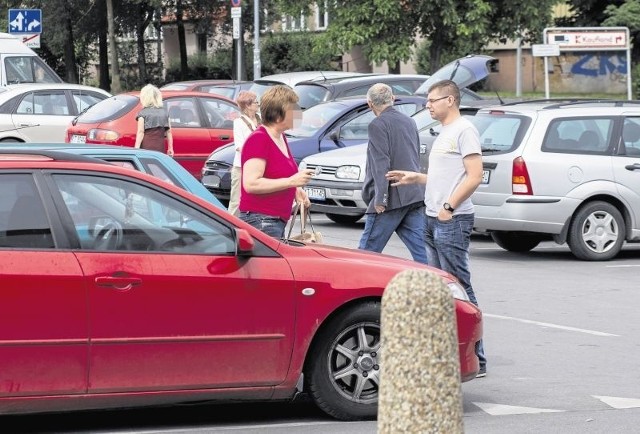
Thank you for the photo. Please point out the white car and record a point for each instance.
(41, 112)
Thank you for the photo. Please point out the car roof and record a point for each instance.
(14, 89)
(292, 78)
(174, 93)
(564, 104)
(365, 78)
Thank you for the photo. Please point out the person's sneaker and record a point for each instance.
(482, 372)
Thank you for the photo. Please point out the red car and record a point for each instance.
(120, 290)
(200, 123)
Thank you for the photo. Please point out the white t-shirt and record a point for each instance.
(240, 133)
(446, 169)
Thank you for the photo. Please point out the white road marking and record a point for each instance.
(619, 403)
(506, 410)
(238, 427)
(549, 325)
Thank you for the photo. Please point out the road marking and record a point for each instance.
(238, 427)
(506, 410)
(549, 325)
(619, 403)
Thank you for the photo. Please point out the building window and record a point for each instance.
(322, 15)
(292, 24)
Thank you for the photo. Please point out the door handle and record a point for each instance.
(635, 166)
(225, 137)
(119, 283)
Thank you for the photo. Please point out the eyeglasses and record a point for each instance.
(432, 100)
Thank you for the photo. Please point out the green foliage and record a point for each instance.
(289, 52)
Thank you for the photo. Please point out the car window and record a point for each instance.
(84, 99)
(182, 112)
(423, 119)
(159, 171)
(408, 108)
(44, 103)
(220, 114)
(112, 214)
(357, 91)
(228, 92)
(314, 118)
(631, 137)
(358, 127)
(28, 69)
(109, 109)
(500, 133)
(585, 135)
(23, 221)
(310, 95)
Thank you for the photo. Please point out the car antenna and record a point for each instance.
(499, 99)
(322, 75)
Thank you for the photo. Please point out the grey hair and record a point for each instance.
(380, 95)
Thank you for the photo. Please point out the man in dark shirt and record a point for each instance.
(393, 143)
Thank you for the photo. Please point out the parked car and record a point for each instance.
(336, 190)
(146, 294)
(290, 79)
(227, 88)
(326, 126)
(200, 123)
(154, 163)
(465, 71)
(20, 64)
(40, 112)
(567, 170)
(314, 92)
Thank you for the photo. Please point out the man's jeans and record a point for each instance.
(270, 225)
(406, 221)
(448, 250)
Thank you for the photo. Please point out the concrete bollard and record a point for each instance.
(420, 368)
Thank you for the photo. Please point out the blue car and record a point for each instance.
(154, 163)
(324, 127)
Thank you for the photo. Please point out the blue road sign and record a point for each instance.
(25, 20)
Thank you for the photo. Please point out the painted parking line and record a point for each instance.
(549, 325)
(507, 410)
(622, 266)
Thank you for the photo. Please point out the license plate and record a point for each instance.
(485, 176)
(78, 139)
(315, 193)
(212, 181)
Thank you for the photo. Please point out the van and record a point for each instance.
(20, 64)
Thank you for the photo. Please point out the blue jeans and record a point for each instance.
(268, 224)
(448, 250)
(406, 221)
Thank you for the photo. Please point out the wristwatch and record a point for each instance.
(448, 207)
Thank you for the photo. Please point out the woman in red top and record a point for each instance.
(270, 176)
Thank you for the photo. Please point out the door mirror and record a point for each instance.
(244, 242)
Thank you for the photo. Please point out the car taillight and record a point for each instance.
(99, 135)
(520, 180)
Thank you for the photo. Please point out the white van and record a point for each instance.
(20, 64)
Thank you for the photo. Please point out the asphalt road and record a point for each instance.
(561, 336)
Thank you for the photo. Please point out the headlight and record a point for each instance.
(302, 165)
(458, 291)
(348, 172)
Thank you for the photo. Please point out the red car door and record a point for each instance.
(191, 140)
(171, 304)
(43, 326)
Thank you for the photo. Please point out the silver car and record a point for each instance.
(41, 112)
(562, 170)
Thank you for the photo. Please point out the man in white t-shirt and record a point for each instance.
(455, 171)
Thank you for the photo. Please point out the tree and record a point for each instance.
(387, 29)
(116, 87)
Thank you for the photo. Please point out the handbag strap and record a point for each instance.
(249, 124)
(299, 209)
(293, 220)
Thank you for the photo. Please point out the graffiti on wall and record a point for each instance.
(600, 72)
(595, 65)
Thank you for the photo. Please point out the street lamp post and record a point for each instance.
(256, 40)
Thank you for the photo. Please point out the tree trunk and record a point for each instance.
(395, 69)
(103, 56)
(116, 87)
(69, 53)
(184, 68)
(158, 25)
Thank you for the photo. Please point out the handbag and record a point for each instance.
(305, 236)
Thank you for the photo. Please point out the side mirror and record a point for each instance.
(333, 135)
(244, 242)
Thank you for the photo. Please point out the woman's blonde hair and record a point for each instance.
(150, 96)
(275, 102)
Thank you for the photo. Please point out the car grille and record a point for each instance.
(325, 170)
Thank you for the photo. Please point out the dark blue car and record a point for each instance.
(324, 127)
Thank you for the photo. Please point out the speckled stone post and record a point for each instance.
(420, 369)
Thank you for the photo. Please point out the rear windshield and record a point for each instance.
(260, 87)
(500, 133)
(310, 95)
(108, 109)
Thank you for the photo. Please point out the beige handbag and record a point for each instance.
(304, 236)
